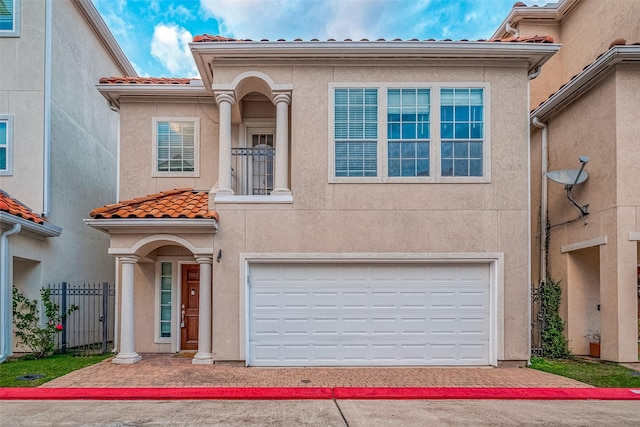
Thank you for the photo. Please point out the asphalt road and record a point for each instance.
(351, 413)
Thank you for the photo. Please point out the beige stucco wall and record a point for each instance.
(585, 33)
(22, 95)
(347, 217)
(600, 125)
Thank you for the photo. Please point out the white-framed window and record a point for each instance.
(167, 300)
(6, 145)
(9, 18)
(176, 150)
(409, 133)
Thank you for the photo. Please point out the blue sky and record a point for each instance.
(154, 34)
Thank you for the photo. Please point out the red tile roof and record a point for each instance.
(206, 38)
(14, 207)
(178, 203)
(145, 80)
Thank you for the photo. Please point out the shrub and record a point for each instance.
(554, 343)
(26, 318)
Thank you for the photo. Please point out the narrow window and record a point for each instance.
(9, 18)
(356, 132)
(6, 144)
(165, 300)
(462, 131)
(408, 132)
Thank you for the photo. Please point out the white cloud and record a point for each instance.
(170, 46)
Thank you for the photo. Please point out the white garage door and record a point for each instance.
(369, 314)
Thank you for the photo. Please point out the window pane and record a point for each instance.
(166, 268)
(165, 313)
(394, 167)
(462, 113)
(408, 168)
(3, 133)
(165, 329)
(165, 298)
(423, 167)
(408, 130)
(393, 130)
(3, 158)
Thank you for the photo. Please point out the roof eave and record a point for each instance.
(549, 13)
(34, 229)
(112, 92)
(206, 53)
(109, 225)
(584, 81)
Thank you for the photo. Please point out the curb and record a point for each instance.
(305, 393)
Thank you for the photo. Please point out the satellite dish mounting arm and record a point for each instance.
(584, 209)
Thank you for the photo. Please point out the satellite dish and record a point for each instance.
(571, 177)
(568, 176)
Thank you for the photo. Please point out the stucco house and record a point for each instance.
(327, 203)
(585, 103)
(58, 146)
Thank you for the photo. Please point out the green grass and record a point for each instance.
(51, 367)
(598, 374)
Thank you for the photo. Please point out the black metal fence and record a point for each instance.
(90, 329)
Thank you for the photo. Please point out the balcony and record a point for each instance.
(252, 170)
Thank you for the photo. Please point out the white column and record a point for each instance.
(204, 355)
(281, 185)
(224, 100)
(127, 354)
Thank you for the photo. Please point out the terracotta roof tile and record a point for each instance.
(177, 203)
(14, 207)
(145, 80)
(206, 38)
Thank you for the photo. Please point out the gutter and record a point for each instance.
(6, 300)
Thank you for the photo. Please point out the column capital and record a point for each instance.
(282, 97)
(204, 259)
(226, 96)
(129, 259)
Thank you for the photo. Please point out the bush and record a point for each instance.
(26, 318)
(554, 343)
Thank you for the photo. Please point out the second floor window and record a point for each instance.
(9, 18)
(6, 144)
(425, 133)
(176, 147)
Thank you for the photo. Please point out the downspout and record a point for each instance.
(6, 305)
(46, 170)
(535, 73)
(509, 29)
(544, 153)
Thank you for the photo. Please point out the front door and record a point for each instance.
(189, 308)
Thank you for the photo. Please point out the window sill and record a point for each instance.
(276, 198)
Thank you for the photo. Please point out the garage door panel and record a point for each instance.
(369, 314)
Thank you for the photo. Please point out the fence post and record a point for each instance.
(105, 316)
(63, 308)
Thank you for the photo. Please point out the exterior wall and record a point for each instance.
(586, 32)
(606, 135)
(137, 145)
(22, 95)
(357, 218)
(84, 138)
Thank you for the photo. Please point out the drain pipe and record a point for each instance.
(46, 173)
(544, 152)
(6, 305)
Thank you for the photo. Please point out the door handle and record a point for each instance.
(182, 325)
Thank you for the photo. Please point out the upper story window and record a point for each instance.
(176, 146)
(356, 132)
(9, 18)
(6, 144)
(412, 133)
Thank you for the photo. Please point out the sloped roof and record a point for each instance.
(145, 80)
(207, 38)
(177, 203)
(15, 207)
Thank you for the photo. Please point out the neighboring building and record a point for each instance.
(357, 203)
(58, 145)
(585, 103)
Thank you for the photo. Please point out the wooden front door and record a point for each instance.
(189, 309)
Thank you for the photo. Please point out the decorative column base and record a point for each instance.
(202, 359)
(127, 358)
(281, 192)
